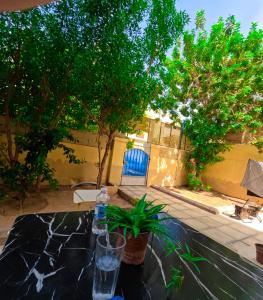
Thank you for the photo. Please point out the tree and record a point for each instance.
(215, 84)
(116, 77)
(37, 52)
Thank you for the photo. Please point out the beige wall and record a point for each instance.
(67, 173)
(166, 167)
(181, 174)
(115, 168)
(226, 176)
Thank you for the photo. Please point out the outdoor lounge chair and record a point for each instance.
(253, 182)
(249, 209)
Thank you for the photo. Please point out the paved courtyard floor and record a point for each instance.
(213, 201)
(223, 229)
(216, 203)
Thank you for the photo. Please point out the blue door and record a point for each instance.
(135, 167)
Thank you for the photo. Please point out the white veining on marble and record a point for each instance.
(80, 222)
(19, 219)
(240, 270)
(148, 291)
(232, 297)
(230, 279)
(199, 282)
(80, 274)
(29, 286)
(8, 278)
(52, 298)
(159, 263)
(70, 236)
(10, 243)
(24, 261)
(53, 242)
(51, 261)
(40, 277)
(76, 248)
(62, 221)
(222, 272)
(26, 293)
(6, 253)
(239, 267)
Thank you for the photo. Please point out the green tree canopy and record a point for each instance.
(215, 84)
(116, 76)
(37, 52)
(78, 64)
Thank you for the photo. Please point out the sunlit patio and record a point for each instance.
(131, 150)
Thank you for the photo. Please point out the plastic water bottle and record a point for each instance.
(100, 212)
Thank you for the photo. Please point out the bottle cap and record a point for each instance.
(104, 190)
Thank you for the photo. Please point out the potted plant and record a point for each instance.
(136, 225)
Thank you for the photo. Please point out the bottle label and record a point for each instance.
(100, 211)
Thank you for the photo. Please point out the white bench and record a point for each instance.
(81, 196)
(85, 195)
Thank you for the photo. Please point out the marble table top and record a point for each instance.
(51, 256)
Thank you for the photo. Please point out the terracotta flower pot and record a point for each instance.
(135, 249)
(259, 249)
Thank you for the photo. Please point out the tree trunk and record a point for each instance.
(37, 185)
(14, 78)
(8, 133)
(102, 162)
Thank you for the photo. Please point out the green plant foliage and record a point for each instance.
(37, 51)
(2, 196)
(184, 252)
(172, 247)
(215, 84)
(145, 217)
(194, 183)
(142, 218)
(259, 144)
(37, 143)
(130, 144)
(116, 74)
(89, 64)
(188, 257)
(208, 188)
(176, 280)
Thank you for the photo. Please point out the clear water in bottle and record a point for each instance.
(100, 212)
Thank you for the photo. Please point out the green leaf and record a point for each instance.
(176, 279)
(141, 218)
(213, 79)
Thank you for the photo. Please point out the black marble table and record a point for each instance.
(51, 256)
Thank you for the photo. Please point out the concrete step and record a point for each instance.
(211, 209)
